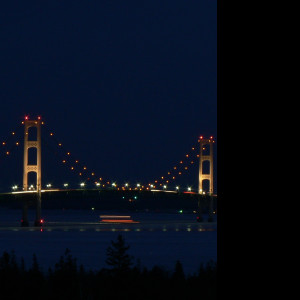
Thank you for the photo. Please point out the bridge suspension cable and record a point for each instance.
(12, 142)
(178, 170)
(73, 164)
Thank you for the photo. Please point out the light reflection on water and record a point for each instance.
(74, 229)
(81, 221)
(88, 239)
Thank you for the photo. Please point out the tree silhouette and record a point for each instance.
(117, 256)
(120, 282)
(178, 274)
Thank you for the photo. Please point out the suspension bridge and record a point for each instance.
(92, 185)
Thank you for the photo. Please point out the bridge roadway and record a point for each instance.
(94, 191)
(49, 190)
(108, 199)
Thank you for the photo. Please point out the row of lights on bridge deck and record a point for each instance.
(82, 184)
(15, 188)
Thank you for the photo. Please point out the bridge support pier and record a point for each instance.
(199, 214)
(37, 221)
(24, 221)
(211, 210)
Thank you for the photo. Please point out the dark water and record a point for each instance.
(157, 238)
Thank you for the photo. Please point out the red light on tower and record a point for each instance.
(26, 117)
(201, 137)
(39, 117)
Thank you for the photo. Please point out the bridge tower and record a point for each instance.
(207, 157)
(32, 168)
(204, 156)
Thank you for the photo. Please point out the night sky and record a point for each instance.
(126, 86)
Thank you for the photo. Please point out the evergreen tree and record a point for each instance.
(178, 274)
(117, 256)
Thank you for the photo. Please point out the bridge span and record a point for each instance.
(147, 196)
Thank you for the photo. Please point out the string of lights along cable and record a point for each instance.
(87, 176)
